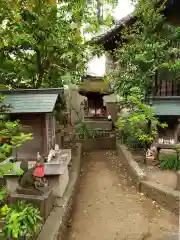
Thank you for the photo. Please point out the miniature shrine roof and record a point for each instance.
(29, 101)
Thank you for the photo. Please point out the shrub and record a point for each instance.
(21, 220)
(170, 162)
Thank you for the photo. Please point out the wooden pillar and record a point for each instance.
(53, 127)
(50, 131)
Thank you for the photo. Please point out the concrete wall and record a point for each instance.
(89, 145)
(135, 172)
(105, 125)
(74, 103)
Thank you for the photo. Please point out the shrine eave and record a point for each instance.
(31, 100)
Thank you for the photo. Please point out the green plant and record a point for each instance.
(3, 193)
(150, 48)
(22, 219)
(170, 162)
(82, 130)
(97, 133)
(7, 168)
(44, 58)
(139, 121)
(4, 211)
(130, 140)
(10, 131)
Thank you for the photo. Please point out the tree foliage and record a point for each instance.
(42, 44)
(150, 46)
(10, 133)
(137, 122)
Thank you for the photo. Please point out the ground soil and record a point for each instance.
(107, 206)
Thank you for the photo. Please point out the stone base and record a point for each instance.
(93, 144)
(11, 183)
(32, 191)
(62, 184)
(150, 161)
(44, 202)
(59, 183)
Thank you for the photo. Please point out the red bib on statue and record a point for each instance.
(39, 171)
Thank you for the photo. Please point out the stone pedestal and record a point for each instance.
(11, 183)
(61, 184)
(44, 202)
(150, 160)
(56, 172)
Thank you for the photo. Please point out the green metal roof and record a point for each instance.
(31, 102)
(167, 108)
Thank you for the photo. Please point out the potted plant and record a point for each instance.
(22, 221)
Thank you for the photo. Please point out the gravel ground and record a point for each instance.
(107, 206)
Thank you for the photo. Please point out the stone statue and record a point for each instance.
(30, 182)
(152, 152)
(160, 140)
(56, 148)
(51, 155)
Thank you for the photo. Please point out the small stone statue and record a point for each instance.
(56, 148)
(152, 153)
(30, 182)
(52, 153)
(148, 153)
(38, 156)
(172, 141)
(161, 141)
(109, 118)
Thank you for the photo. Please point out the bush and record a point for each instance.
(130, 140)
(21, 220)
(170, 162)
(138, 120)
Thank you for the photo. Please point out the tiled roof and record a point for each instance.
(31, 102)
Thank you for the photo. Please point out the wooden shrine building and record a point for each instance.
(35, 109)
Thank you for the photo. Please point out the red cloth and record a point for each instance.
(39, 171)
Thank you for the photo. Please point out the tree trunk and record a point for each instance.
(99, 12)
(39, 70)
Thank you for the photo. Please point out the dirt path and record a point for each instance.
(108, 208)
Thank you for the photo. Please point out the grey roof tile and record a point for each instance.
(31, 102)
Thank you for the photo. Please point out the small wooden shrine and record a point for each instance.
(94, 88)
(35, 109)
